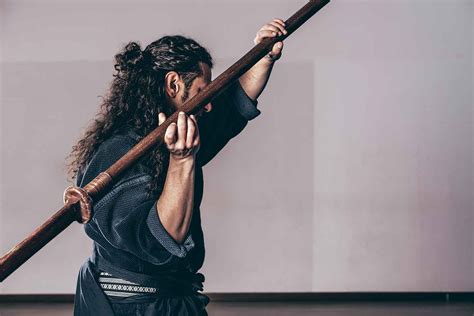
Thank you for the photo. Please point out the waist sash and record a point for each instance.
(172, 283)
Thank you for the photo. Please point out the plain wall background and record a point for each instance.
(358, 175)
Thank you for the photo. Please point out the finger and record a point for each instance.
(280, 21)
(190, 133)
(182, 127)
(161, 118)
(264, 34)
(197, 138)
(197, 141)
(272, 27)
(280, 27)
(196, 132)
(170, 136)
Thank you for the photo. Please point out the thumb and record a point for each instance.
(277, 48)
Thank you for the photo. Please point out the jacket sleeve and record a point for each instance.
(126, 217)
(231, 111)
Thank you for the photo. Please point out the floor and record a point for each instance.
(282, 309)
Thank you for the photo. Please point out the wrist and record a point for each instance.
(266, 62)
(182, 161)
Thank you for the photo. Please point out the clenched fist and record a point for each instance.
(272, 29)
(182, 138)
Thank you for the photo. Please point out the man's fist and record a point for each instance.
(182, 138)
(272, 29)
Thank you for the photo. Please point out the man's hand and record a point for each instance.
(255, 79)
(175, 204)
(182, 138)
(272, 29)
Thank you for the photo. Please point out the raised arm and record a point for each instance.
(175, 204)
(236, 105)
(255, 79)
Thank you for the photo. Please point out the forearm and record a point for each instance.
(255, 79)
(175, 205)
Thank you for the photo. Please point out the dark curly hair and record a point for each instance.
(136, 96)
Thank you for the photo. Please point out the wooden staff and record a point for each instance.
(78, 206)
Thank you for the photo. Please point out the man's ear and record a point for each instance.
(172, 84)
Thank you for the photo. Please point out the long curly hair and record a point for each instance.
(137, 95)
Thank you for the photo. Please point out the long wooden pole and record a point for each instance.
(71, 212)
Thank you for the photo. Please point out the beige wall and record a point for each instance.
(368, 188)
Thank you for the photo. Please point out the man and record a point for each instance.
(148, 240)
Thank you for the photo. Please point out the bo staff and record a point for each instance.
(77, 207)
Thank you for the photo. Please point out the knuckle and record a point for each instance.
(169, 144)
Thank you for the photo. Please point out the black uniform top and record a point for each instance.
(129, 240)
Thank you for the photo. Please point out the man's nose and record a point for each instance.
(208, 107)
